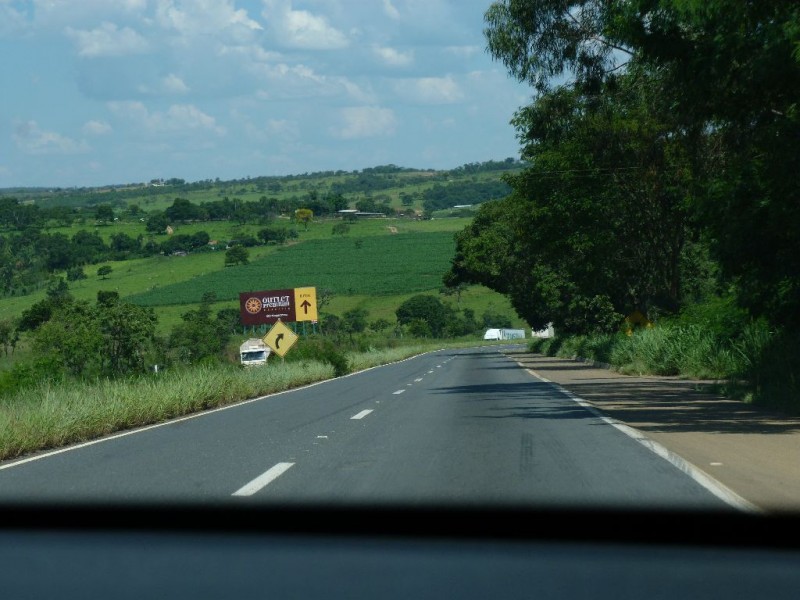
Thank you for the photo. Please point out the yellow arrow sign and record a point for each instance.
(280, 338)
(305, 304)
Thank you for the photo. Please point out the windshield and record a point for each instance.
(470, 253)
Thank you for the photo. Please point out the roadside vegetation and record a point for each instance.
(661, 144)
(51, 414)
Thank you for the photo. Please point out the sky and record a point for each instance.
(100, 92)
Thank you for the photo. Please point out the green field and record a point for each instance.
(386, 270)
(387, 265)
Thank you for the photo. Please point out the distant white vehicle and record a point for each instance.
(504, 334)
(254, 352)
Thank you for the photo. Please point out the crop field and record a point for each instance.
(386, 265)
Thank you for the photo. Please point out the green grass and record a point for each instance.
(388, 265)
(758, 365)
(53, 415)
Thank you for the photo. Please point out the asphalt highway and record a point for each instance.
(455, 426)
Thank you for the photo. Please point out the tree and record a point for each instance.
(182, 210)
(341, 228)
(237, 255)
(104, 213)
(157, 223)
(229, 318)
(88, 248)
(199, 337)
(75, 274)
(104, 271)
(128, 333)
(277, 235)
(426, 308)
(304, 216)
(8, 336)
(727, 97)
(355, 321)
(379, 325)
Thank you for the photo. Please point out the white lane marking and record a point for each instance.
(322, 437)
(362, 414)
(263, 480)
(717, 488)
(438, 366)
(429, 372)
(197, 415)
(418, 379)
(398, 392)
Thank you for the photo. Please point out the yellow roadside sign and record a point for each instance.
(305, 304)
(280, 338)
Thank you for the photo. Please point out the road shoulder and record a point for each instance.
(754, 452)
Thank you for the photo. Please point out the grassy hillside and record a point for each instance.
(388, 265)
(387, 269)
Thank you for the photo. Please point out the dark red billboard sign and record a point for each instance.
(259, 308)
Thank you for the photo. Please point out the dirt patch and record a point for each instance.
(391, 229)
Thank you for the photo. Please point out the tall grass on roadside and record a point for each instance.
(52, 415)
(758, 364)
(771, 368)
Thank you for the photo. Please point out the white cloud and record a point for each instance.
(283, 128)
(107, 40)
(12, 19)
(365, 121)
(178, 118)
(174, 84)
(463, 51)
(429, 90)
(302, 29)
(96, 128)
(393, 57)
(31, 139)
(204, 17)
(390, 10)
(56, 14)
(284, 81)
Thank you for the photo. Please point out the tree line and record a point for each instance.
(661, 153)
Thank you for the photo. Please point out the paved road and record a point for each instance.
(464, 426)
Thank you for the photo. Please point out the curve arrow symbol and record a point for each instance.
(278, 339)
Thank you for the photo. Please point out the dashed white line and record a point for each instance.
(418, 379)
(263, 480)
(398, 392)
(362, 414)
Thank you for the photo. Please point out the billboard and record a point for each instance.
(268, 306)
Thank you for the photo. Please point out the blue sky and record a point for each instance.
(102, 92)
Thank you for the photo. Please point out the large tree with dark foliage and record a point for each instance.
(657, 126)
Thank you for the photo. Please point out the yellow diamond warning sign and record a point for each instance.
(280, 338)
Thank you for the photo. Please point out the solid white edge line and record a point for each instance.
(263, 480)
(197, 415)
(362, 414)
(717, 488)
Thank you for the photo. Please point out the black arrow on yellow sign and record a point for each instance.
(278, 339)
(306, 304)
